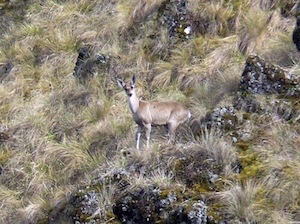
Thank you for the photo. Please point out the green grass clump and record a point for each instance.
(5, 155)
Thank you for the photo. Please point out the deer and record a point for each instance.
(150, 113)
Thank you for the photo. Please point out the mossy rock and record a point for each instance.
(260, 77)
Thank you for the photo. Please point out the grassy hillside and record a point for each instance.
(59, 132)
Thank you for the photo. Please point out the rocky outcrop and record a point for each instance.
(247, 103)
(141, 204)
(287, 109)
(175, 18)
(153, 205)
(87, 63)
(85, 207)
(224, 118)
(260, 77)
(82, 207)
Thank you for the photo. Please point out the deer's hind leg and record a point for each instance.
(167, 129)
(172, 126)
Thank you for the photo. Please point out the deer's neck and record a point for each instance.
(134, 103)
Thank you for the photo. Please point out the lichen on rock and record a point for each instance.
(223, 117)
(83, 205)
(175, 18)
(86, 205)
(260, 77)
(152, 205)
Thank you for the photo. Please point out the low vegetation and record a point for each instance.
(59, 134)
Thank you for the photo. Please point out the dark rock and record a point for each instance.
(247, 103)
(175, 17)
(220, 117)
(102, 59)
(87, 63)
(223, 118)
(197, 215)
(287, 109)
(283, 109)
(5, 70)
(154, 205)
(83, 68)
(82, 207)
(86, 206)
(138, 206)
(296, 33)
(260, 77)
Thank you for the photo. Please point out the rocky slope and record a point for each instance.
(67, 137)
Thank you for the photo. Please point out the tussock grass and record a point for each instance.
(62, 132)
(135, 11)
(243, 202)
(219, 149)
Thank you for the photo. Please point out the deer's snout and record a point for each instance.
(129, 91)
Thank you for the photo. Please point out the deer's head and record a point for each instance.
(128, 87)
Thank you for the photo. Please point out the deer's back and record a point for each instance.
(160, 113)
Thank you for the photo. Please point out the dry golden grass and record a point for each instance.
(244, 202)
(135, 11)
(64, 133)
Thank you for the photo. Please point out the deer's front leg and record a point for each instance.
(148, 131)
(138, 136)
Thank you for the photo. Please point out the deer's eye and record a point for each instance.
(131, 87)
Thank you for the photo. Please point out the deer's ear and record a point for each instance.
(133, 80)
(120, 83)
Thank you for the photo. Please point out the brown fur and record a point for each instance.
(147, 114)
